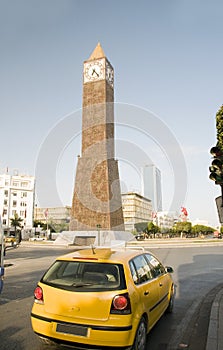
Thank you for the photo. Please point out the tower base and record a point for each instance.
(97, 238)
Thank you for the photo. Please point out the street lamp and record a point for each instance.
(99, 238)
(2, 250)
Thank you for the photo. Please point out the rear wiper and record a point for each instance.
(82, 284)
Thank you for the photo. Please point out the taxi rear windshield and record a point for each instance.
(85, 276)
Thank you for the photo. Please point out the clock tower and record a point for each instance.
(97, 196)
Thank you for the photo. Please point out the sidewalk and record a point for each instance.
(215, 334)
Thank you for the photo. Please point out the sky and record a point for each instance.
(167, 57)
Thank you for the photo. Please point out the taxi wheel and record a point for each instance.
(140, 337)
(169, 309)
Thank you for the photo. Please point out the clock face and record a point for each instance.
(93, 71)
(109, 74)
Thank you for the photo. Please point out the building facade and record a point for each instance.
(165, 220)
(151, 185)
(136, 208)
(54, 215)
(17, 197)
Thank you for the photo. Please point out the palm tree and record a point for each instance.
(16, 222)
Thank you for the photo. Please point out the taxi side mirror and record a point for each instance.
(169, 269)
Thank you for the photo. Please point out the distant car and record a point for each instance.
(140, 236)
(100, 297)
(217, 235)
(12, 240)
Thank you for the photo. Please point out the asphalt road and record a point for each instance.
(198, 273)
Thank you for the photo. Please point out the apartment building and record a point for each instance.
(165, 220)
(17, 197)
(136, 208)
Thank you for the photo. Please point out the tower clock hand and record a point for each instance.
(94, 72)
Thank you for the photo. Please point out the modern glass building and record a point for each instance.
(151, 186)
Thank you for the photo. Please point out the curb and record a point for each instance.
(215, 336)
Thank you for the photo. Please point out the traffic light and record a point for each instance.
(216, 168)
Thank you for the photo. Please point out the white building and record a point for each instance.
(165, 220)
(17, 197)
(151, 185)
(136, 208)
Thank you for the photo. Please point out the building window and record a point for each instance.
(6, 193)
(14, 203)
(14, 194)
(15, 183)
(5, 202)
(4, 221)
(23, 194)
(6, 183)
(13, 212)
(24, 184)
(23, 204)
(4, 212)
(22, 213)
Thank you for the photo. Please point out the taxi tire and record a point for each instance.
(169, 309)
(140, 337)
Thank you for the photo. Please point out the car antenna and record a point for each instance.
(93, 249)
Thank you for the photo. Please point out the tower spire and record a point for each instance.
(97, 53)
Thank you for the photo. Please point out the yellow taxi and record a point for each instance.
(102, 297)
(12, 240)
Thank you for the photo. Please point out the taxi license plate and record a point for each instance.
(71, 329)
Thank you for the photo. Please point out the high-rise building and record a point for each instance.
(97, 196)
(17, 197)
(151, 186)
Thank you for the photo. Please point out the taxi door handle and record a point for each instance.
(146, 292)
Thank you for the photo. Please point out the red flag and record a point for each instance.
(184, 211)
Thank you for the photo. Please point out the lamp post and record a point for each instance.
(35, 216)
(2, 251)
(99, 238)
(46, 212)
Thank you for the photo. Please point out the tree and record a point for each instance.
(216, 168)
(183, 226)
(152, 229)
(38, 223)
(16, 222)
(202, 229)
(141, 226)
(219, 127)
(50, 226)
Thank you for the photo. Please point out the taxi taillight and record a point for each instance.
(38, 294)
(121, 304)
